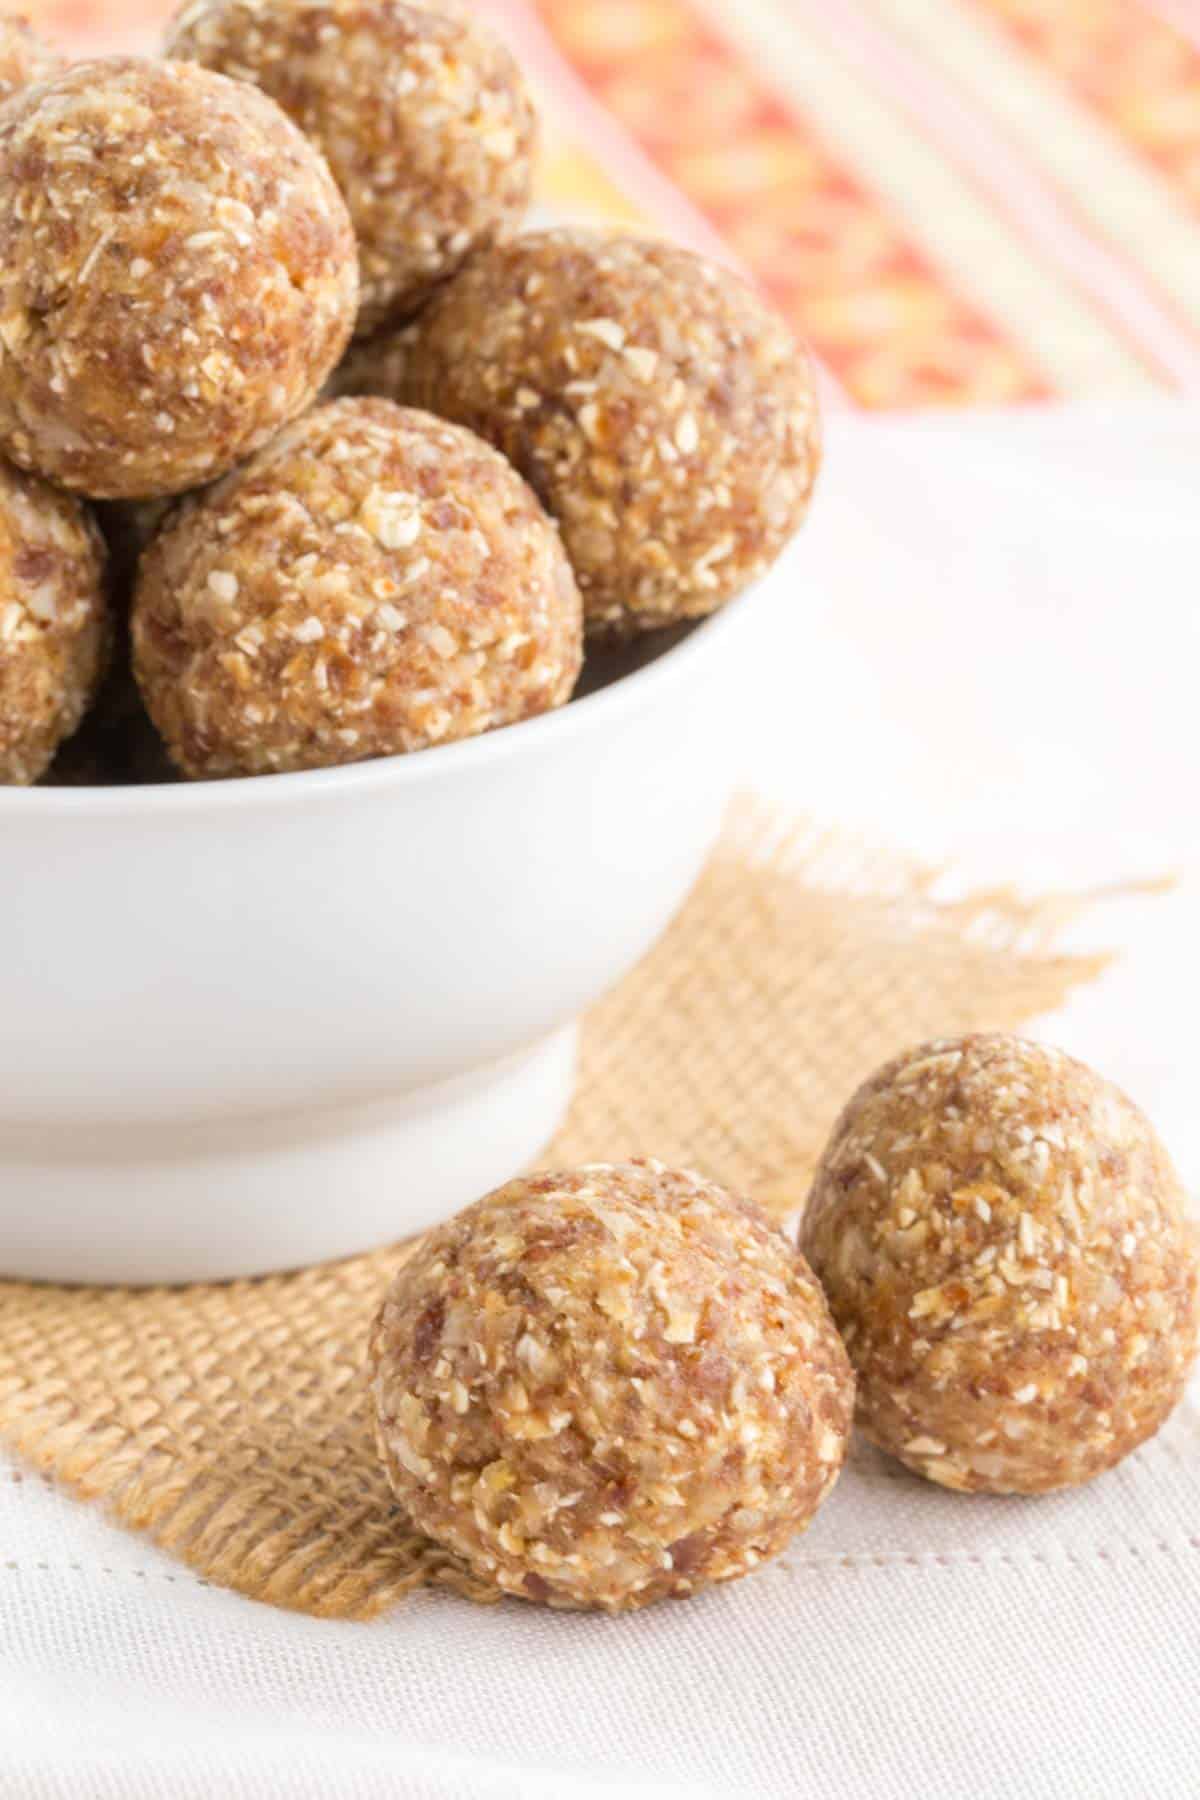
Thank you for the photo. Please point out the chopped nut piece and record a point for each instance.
(607, 330)
(630, 1449)
(966, 1370)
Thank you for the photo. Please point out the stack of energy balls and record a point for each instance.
(371, 469)
(240, 550)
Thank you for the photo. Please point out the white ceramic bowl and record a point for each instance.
(250, 1025)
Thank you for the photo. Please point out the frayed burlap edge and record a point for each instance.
(229, 1422)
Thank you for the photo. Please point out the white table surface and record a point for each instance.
(992, 659)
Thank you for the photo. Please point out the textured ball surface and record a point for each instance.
(177, 276)
(24, 59)
(1005, 1248)
(608, 1385)
(376, 581)
(424, 118)
(664, 416)
(53, 622)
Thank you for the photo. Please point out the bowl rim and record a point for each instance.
(298, 787)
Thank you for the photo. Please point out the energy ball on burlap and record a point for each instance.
(375, 581)
(177, 276)
(1005, 1248)
(53, 622)
(24, 59)
(665, 417)
(425, 120)
(608, 1385)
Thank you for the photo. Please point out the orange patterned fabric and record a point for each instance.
(1139, 72)
(956, 201)
(891, 327)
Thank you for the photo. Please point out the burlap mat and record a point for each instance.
(229, 1422)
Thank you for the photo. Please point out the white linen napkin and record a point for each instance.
(991, 659)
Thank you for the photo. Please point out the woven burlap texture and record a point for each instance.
(229, 1422)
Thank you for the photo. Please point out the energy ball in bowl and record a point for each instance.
(425, 120)
(375, 581)
(24, 59)
(664, 416)
(608, 1385)
(1005, 1249)
(177, 276)
(53, 622)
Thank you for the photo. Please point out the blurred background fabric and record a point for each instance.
(957, 202)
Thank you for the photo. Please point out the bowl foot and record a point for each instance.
(250, 1197)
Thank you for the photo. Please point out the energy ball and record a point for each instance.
(177, 276)
(425, 119)
(663, 415)
(375, 581)
(1005, 1248)
(53, 622)
(608, 1385)
(24, 59)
